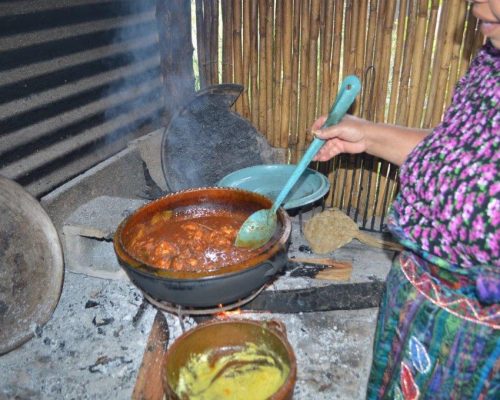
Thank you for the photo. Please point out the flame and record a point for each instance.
(228, 314)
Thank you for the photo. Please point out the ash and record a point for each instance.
(333, 351)
(91, 348)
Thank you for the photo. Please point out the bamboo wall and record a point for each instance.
(291, 56)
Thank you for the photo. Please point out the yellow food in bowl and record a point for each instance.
(237, 373)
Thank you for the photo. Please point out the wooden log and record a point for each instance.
(149, 382)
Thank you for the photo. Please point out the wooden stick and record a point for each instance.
(304, 64)
(269, 40)
(149, 383)
(313, 65)
(379, 63)
(322, 261)
(367, 99)
(287, 73)
(386, 16)
(334, 274)
(262, 55)
(468, 46)
(293, 138)
(438, 55)
(335, 71)
(246, 58)
(455, 52)
(254, 65)
(227, 41)
(444, 83)
(211, 53)
(238, 68)
(424, 80)
(403, 103)
(326, 34)
(360, 25)
(214, 43)
(348, 51)
(416, 68)
(335, 271)
(398, 61)
(278, 53)
(200, 43)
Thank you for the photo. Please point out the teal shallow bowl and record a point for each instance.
(268, 180)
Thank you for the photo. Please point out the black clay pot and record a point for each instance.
(203, 289)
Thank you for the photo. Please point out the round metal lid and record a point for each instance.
(268, 180)
(31, 266)
(205, 141)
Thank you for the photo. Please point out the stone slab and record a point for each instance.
(88, 236)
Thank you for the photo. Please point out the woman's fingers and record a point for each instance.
(329, 150)
(318, 123)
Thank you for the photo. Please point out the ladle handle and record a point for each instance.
(348, 91)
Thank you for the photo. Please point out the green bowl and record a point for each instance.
(268, 180)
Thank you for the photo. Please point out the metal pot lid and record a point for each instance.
(31, 266)
(205, 141)
(268, 180)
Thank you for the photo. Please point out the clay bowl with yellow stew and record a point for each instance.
(231, 359)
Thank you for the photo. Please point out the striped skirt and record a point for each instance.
(432, 342)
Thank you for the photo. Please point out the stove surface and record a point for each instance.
(93, 345)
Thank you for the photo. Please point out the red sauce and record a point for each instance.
(189, 243)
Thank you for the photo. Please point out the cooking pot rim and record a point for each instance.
(261, 255)
(273, 327)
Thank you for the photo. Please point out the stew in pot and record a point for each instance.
(199, 242)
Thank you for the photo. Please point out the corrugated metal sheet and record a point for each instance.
(78, 80)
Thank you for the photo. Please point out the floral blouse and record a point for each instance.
(448, 208)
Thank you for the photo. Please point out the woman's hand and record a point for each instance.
(355, 135)
(346, 137)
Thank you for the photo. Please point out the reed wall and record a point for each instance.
(291, 56)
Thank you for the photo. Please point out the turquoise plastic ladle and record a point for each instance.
(260, 226)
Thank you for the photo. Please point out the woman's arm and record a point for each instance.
(355, 135)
